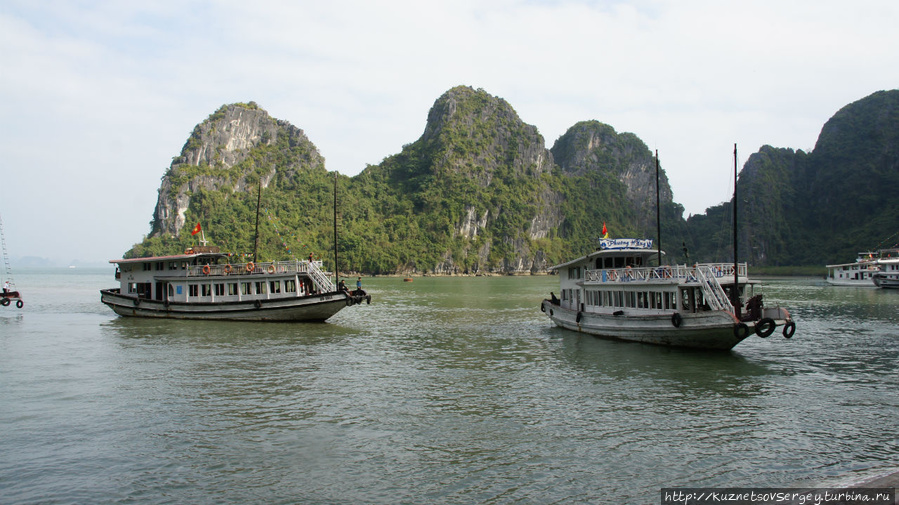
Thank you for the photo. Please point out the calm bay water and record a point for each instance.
(441, 391)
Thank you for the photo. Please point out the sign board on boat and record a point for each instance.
(611, 244)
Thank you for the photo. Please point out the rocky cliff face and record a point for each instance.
(591, 146)
(218, 155)
(472, 134)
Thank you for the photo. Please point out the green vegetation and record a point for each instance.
(476, 193)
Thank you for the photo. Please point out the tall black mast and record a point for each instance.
(256, 235)
(735, 292)
(658, 211)
(336, 264)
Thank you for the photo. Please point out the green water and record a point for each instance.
(442, 390)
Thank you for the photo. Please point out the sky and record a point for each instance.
(97, 97)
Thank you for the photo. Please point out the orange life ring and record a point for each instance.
(228, 268)
(271, 269)
(250, 267)
(206, 269)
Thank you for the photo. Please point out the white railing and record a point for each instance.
(312, 268)
(665, 273)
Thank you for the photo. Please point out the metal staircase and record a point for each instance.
(712, 291)
(320, 278)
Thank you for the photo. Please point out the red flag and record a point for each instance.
(605, 232)
(197, 229)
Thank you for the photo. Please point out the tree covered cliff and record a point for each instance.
(479, 192)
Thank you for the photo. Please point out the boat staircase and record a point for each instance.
(320, 278)
(712, 291)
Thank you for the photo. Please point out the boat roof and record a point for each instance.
(196, 252)
(616, 247)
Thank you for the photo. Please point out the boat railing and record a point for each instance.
(250, 268)
(665, 273)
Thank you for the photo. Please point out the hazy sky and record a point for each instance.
(96, 97)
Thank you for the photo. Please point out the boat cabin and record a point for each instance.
(623, 276)
(205, 275)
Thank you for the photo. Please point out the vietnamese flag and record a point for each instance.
(197, 229)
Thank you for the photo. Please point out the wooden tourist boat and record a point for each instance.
(203, 284)
(615, 293)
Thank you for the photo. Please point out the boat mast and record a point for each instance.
(735, 292)
(256, 234)
(336, 264)
(12, 284)
(658, 211)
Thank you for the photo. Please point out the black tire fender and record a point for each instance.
(789, 329)
(741, 331)
(676, 319)
(765, 327)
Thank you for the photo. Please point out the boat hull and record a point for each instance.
(887, 281)
(706, 330)
(314, 308)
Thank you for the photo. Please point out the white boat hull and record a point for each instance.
(887, 281)
(314, 308)
(713, 330)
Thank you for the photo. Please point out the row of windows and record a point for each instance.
(632, 299)
(231, 288)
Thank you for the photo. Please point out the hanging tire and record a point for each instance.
(578, 318)
(4, 302)
(789, 329)
(765, 327)
(676, 319)
(741, 331)
(20, 304)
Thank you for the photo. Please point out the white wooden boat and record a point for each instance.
(887, 280)
(615, 293)
(859, 273)
(202, 283)
(870, 269)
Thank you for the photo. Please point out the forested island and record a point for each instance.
(479, 193)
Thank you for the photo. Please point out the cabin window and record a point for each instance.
(232, 288)
(160, 265)
(260, 288)
(194, 290)
(173, 265)
(245, 288)
(290, 286)
(275, 286)
(147, 266)
(206, 289)
(220, 289)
